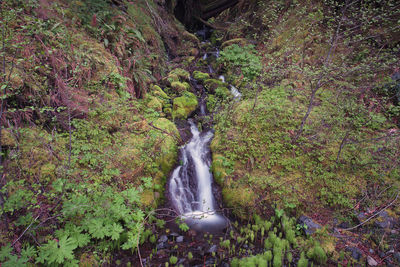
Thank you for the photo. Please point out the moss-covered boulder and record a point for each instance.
(222, 92)
(212, 84)
(158, 92)
(200, 76)
(180, 86)
(155, 104)
(180, 73)
(184, 105)
(187, 36)
(169, 148)
(218, 168)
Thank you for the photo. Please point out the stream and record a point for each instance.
(191, 183)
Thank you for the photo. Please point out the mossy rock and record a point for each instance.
(155, 104)
(180, 73)
(172, 77)
(191, 38)
(240, 199)
(187, 61)
(180, 86)
(157, 91)
(184, 105)
(218, 168)
(212, 84)
(238, 41)
(200, 76)
(169, 148)
(222, 92)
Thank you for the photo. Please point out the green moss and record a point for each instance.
(181, 74)
(191, 38)
(317, 254)
(155, 104)
(222, 92)
(157, 91)
(218, 168)
(169, 149)
(198, 75)
(180, 86)
(184, 105)
(241, 199)
(212, 84)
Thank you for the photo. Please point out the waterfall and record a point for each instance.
(190, 185)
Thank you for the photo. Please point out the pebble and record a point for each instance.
(179, 239)
(311, 225)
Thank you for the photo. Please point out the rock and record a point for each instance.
(155, 104)
(371, 261)
(163, 238)
(356, 253)
(174, 234)
(179, 239)
(180, 73)
(180, 86)
(198, 75)
(212, 249)
(384, 221)
(311, 226)
(184, 105)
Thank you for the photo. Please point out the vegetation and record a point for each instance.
(94, 94)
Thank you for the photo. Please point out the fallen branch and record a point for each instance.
(373, 216)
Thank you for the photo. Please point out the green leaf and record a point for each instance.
(5, 252)
(115, 231)
(57, 252)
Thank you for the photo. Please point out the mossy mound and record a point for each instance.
(212, 84)
(155, 104)
(200, 76)
(241, 199)
(218, 169)
(157, 91)
(169, 149)
(222, 92)
(180, 86)
(184, 105)
(182, 74)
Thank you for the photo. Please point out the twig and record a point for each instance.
(27, 228)
(373, 216)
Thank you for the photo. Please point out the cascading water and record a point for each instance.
(190, 185)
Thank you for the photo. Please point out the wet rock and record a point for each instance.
(179, 239)
(384, 221)
(356, 253)
(162, 239)
(371, 261)
(311, 226)
(212, 249)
